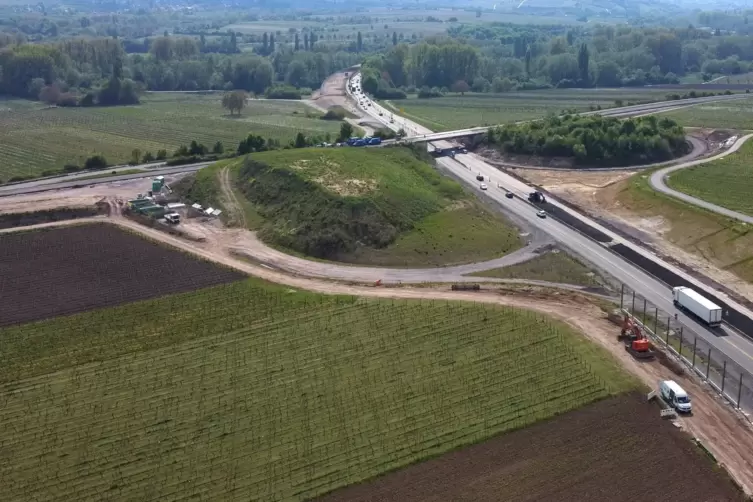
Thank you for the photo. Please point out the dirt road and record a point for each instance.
(332, 93)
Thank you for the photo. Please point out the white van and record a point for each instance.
(675, 396)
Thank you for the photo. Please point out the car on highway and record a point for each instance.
(381, 114)
(541, 214)
(509, 195)
(483, 186)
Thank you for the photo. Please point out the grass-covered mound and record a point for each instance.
(594, 140)
(341, 204)
(384, 207)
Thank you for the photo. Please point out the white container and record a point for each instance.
(703, 308)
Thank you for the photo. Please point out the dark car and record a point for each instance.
(509, 195)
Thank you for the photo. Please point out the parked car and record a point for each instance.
(541, 214)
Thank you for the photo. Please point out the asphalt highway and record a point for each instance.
(466, 167)
(74, 181)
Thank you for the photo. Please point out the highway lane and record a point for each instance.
(736, 347)
(47, 184)
(658, 182)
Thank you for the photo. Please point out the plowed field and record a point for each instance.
(614, 450)
(61, 271)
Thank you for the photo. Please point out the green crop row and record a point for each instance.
(264, 393)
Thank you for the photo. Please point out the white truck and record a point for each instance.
(675, 396)
(703, 308)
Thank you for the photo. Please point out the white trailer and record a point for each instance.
(703, 308)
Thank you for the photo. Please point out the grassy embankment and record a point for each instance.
(726, 243)
(380, 207)
(264, 392)
(34, 138)
(556, 267)
(726, 182)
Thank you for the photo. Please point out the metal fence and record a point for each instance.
(724, 376)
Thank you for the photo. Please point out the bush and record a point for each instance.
(425, 92)
(71, 168)
(384, 133)
(282, 92)
(193, 159)
(95, 162)
(391, 93)
(333, 115)
(594, 140)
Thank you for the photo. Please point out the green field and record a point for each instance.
(556, 267)
(34, 138)
(258, 392)
(459, 112)
(368, 206)
(727, 182)
(737, 114)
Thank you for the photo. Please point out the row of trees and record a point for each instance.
(499, 58)
(82, 67)
(594, 140)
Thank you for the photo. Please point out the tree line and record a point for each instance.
(594, 140)
(99, 71)
(501, 58)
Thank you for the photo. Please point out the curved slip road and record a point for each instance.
(658, 182)
(252, 248)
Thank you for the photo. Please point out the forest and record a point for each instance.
(466, 56)
(501, 58)
(594, 140)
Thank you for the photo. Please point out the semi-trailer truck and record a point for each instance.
(703, 308)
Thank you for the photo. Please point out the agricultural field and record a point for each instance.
(582, 456)
(736, 114)
(459, 112)
(726, 182)
(252, 391)
(553, 266)
(53, 272)
(385, 21)
(34, 138)
(383, 207)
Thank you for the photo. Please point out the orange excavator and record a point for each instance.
(635, 342)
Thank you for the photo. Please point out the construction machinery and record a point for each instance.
(536, 197)
(635, 341)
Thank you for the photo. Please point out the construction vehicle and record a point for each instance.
(172, 218)
(536, 197)
(635, 341)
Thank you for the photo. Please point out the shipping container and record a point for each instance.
(692, 302)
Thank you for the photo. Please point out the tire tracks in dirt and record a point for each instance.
(233, 205)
